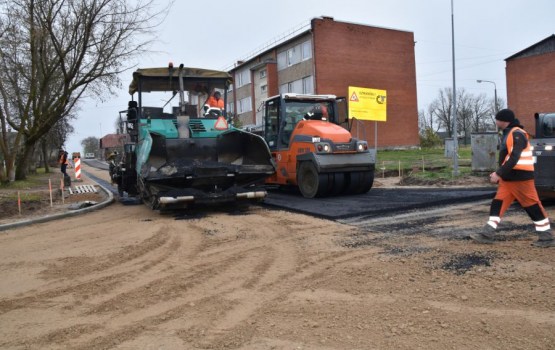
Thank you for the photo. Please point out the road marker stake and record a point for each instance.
(50, 190)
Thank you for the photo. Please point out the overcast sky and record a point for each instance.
(215, 34)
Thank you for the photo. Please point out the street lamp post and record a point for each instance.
(494, 92)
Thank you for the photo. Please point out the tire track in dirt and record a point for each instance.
(535, 316)
(265, 278)
(81, 269)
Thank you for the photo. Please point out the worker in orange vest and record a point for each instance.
(215, 100)
(515, 177)
(63, 161)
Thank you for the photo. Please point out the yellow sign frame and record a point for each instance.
(367, 104)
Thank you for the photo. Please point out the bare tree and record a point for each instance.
(53, 53)
(441, 109)
(91, 144)
(53, 140)
(482, 119)
(464, 114)
(426, 120)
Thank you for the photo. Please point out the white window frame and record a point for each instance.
(262, 74)
(282, 60)
(244, 105)
(293, 55)
(308, 89)
(296, 86)
(243, 77)
(306, 50)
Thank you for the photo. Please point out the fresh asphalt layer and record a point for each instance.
(378, 201)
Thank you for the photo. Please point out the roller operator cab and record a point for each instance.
(184, 151)
(543, 145)
(311, 150)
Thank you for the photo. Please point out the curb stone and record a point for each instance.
(57, 216)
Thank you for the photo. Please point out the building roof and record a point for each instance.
(113, 140)
(292, 36)
(544, 46)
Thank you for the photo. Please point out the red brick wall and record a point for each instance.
(272, 76)
(355, 55)
(531, 87)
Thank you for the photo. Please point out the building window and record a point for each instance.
(282, 60)
(230, 107)
(293, 55)
(306, 50)
(230, 88)
(243, 77)
(263, 74)
(264, 89)
(244, 105)
(308, 86)
(296, 86)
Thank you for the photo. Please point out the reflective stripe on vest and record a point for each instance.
(526, 160)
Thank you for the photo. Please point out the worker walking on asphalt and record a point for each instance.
(515, 177)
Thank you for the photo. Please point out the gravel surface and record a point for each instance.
(126, 277)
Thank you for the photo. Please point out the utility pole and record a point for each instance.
(455, 136)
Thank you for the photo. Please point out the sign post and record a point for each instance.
(368, 104)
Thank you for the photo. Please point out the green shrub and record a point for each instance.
(430, 139)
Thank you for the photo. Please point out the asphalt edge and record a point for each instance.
(46, 218)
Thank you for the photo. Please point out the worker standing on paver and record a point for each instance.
(515, 177)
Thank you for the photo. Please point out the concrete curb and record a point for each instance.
(46, 218)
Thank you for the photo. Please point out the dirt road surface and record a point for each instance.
(126, 277)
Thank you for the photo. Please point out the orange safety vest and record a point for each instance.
(526, 160)
(63, 159)
(212, 102)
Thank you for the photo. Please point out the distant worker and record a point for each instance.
(515, 177)
(63, 161)
(215, 100)
(112, 157)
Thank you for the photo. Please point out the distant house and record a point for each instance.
(531, 81)
(112, 142)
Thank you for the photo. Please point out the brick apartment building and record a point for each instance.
(531, 81)
(327, 58)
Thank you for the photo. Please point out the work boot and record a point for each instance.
(485, 236)
(545, 240)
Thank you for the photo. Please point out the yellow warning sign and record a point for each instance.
(367, 104)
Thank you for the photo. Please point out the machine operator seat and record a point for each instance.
(132, 111)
